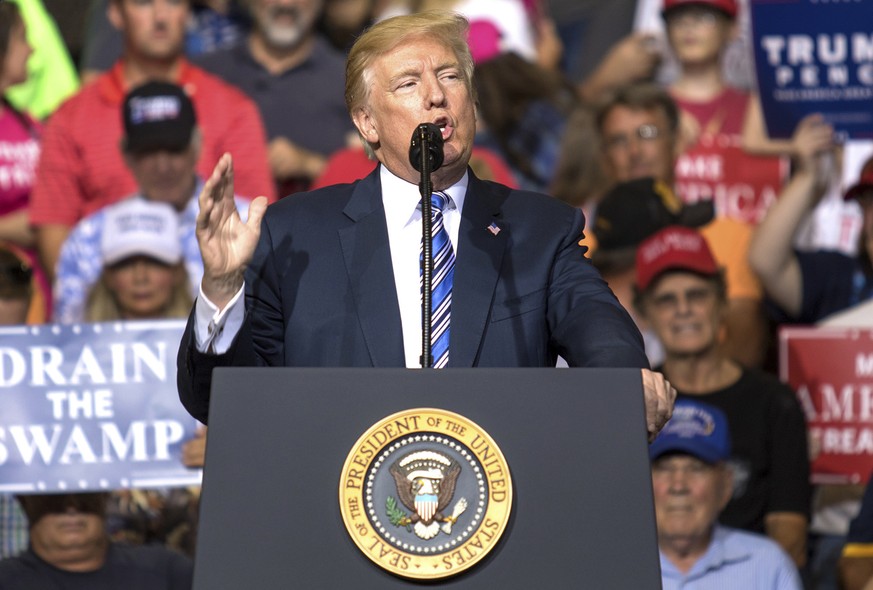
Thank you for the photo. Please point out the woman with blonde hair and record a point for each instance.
(144, 278)
(143, 274)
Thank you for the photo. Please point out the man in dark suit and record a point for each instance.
(331, 277)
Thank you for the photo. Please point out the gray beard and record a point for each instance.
(284, 37)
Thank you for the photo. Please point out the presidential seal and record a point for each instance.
(425, 493)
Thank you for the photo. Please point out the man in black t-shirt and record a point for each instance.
(681, 293)
(69, 549)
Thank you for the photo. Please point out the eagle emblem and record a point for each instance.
(425, 482)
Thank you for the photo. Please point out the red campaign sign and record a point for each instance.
(831, 370)
(742, 186)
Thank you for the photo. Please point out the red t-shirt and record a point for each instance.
(82, 169)
(716, 168)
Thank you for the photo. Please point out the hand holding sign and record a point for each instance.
(828, 72)
(812, 148)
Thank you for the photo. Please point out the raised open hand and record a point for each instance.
(226, 243)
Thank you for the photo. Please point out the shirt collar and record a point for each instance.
(113, 87)
(721, 552)
(401, 198)
(718, 554)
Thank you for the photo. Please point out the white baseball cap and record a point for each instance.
(137, 227)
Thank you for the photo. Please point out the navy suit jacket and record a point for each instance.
(320, 290)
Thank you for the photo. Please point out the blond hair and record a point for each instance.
(102, 305)
(448, 28)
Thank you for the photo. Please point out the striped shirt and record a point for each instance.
(13, 527)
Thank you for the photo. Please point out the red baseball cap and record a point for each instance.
(673, 248)
(729, 7)
(864, 184)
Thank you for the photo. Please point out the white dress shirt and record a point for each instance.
(215, 330)
(403, 216)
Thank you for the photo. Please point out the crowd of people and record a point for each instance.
(102, 219)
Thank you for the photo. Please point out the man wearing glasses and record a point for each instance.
(639, 129)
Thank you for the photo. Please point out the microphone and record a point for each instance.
(427, 142)
(426, 155)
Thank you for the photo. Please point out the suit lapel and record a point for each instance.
(480, 253)
(367, 256)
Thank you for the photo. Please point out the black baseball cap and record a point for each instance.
(633, 211)
(157, 116)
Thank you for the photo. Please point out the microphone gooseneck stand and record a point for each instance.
(426, 155)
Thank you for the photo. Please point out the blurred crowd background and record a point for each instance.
(642, 113)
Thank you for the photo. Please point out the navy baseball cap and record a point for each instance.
(158, 116)
(696, 429)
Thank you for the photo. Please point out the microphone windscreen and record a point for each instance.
(428, 140)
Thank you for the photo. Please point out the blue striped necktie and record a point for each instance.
(441, 286)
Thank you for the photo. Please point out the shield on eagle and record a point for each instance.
(425, 482)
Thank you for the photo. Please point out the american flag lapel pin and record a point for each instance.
(494, 229)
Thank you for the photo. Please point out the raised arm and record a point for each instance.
(755, 138)
(632, 59)
(771, 254)
(226, 243)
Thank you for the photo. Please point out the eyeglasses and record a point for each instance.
(645, 133)
(695, 297)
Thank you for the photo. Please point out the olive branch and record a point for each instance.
(395, 515)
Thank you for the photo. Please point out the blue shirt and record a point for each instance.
(208, 30)
(81, 262)
(537, 138)
(832, 282)
(735, 559)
